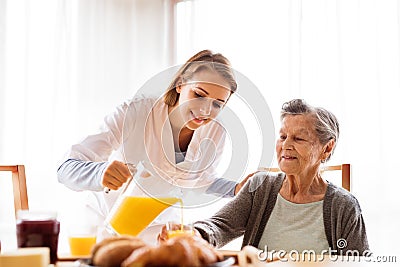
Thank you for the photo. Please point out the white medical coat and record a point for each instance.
(140, 130)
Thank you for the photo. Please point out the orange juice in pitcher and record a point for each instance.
(140, 203)
(134, 214)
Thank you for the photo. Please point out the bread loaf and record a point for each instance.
(180, 251)
(111, 252)
(108, 240)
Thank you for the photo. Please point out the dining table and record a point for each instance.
(69, 261)
(8, 242)
(243, 260)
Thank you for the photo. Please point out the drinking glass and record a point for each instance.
(81, 239)
(178, 229)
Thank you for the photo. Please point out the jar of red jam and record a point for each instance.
(38, 229)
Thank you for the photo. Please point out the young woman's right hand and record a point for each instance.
(116, 174)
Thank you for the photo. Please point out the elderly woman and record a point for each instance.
(298, 209)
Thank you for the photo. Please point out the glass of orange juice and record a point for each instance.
(179, 229)
(81, 239)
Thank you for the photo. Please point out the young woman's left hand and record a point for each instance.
(243, 182)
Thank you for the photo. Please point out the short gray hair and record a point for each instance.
(326, 124)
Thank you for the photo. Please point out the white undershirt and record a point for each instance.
(295, 227)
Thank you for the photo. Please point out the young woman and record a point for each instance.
(177, 133)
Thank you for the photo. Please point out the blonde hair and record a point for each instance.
(203, 60)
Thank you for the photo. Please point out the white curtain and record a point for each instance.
(64, 65)
(343, 55)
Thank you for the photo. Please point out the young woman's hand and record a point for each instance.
(116, 174)
(243, 182)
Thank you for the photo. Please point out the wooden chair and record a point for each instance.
(344, 168)
(19, 186)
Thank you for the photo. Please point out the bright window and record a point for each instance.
(341, 55)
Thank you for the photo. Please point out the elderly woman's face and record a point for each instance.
(298, 148)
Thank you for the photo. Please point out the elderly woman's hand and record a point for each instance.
(243, 182)
(163, 235)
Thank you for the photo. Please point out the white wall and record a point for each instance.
(64, 65)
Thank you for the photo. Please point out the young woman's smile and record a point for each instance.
(201, 99)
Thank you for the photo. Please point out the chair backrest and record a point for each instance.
(19, 186)
(344, 168)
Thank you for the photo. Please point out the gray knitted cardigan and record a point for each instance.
(247, 214)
